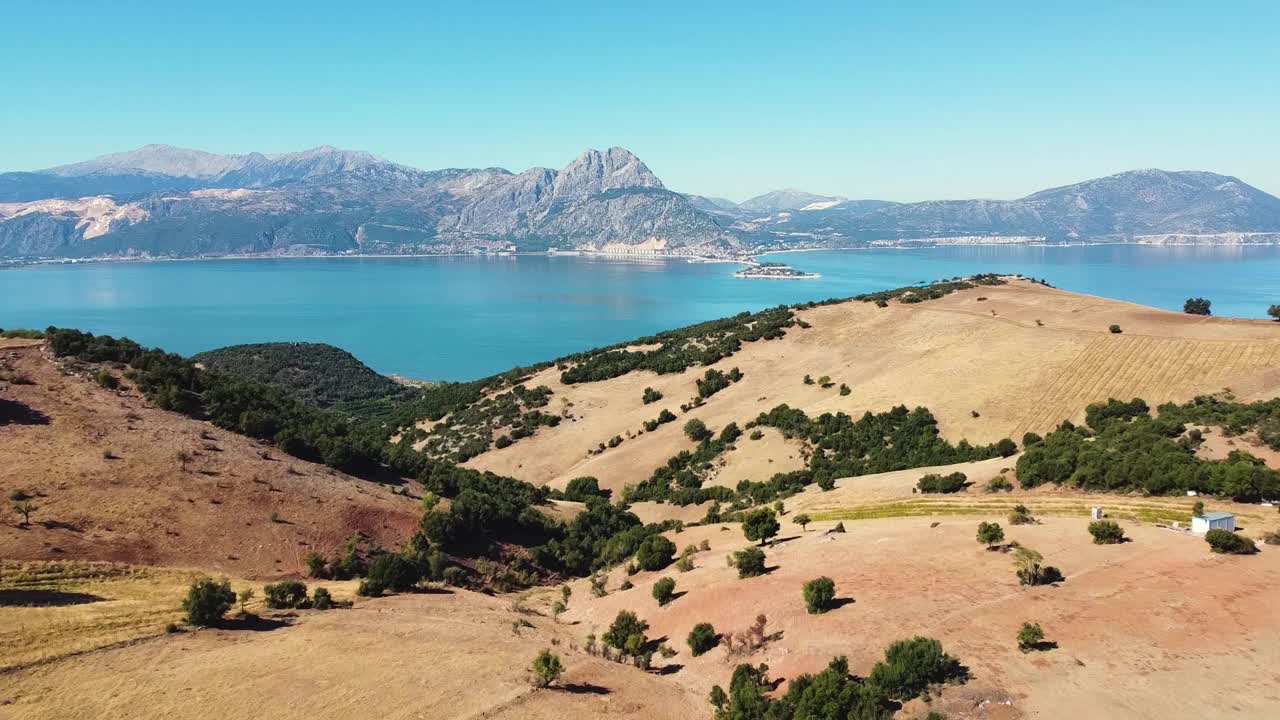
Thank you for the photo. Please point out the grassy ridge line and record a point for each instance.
(923, 507)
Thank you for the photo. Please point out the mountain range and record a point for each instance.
(164, 201)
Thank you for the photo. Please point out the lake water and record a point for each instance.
(459, 318)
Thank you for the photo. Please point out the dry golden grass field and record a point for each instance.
(1023, 358)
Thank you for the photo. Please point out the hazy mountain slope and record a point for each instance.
(784, 200)
(160, 200)
(181, 202)
(1133, 203)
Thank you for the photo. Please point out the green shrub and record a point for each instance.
(1030, 438)
(321, 599)
(655, 553)
(1030, 636)
(1020, 515)
(663, 590)
(990, 533)
(1106, 532)
(392, 571)
(935, 483)
(702, 638)
(581, 489)
(911, 666)
(286, 594)
(1115, 329)
(1227, 542)
(696, 430)
(999, 483)
(1006, 447)
(208, 601)
(104, 378)
(650, 396)
(749, 562)
(546, 669)
(685, 563)
(455, 576)
(626, 629)
(819, 595)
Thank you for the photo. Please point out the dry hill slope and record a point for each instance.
(989, 362)
(230, 510)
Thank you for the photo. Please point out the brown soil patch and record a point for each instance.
(411, 656)
(141, 506)
(1157, 627)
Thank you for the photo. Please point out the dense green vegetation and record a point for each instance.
(908, 669)
(314, 373)
(21, 333)
(1126, 449)
(249, 408)
(895, 440)
(1233, 417)
(935, 483)
(470, 431)
(933, 291)
(701, 344)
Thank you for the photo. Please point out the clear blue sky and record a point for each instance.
(903, 101)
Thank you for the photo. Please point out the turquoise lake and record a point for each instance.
(457, 318)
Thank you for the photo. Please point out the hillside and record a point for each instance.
(318, 374)
(235, 506)
(979, 361)
(988, 363)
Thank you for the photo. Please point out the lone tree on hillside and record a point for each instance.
(802, 520)
(184, 459)
(207, 601)
(819, 595)
(1030, 636)
(664, 590)
(1196, 306)
(626, 630)
(546, 669)
(1106, 532)
(1274, 312)
(702, 638)
(24, 507)
(760, 525)
(696, 430)
(1031, 569)
(655, 553)
(750, 562)
(990, 534)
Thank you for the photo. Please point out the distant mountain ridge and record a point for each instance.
(160, 200)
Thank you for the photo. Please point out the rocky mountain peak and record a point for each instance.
(594, 171)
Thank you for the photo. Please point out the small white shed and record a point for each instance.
(1201, 524)
(1095, 513)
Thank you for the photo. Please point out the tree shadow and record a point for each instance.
(1044, 645)
(838, 603)
(210, 473)
(46, 598)
(676, 596)
(59, 525)
(671, 669)
(584, 689)
(257, 623)
(779, 541)
(13, 412)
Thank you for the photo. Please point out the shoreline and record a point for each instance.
(748, 260)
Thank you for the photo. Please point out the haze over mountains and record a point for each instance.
(165, 201)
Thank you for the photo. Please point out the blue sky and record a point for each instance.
(904, 101)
